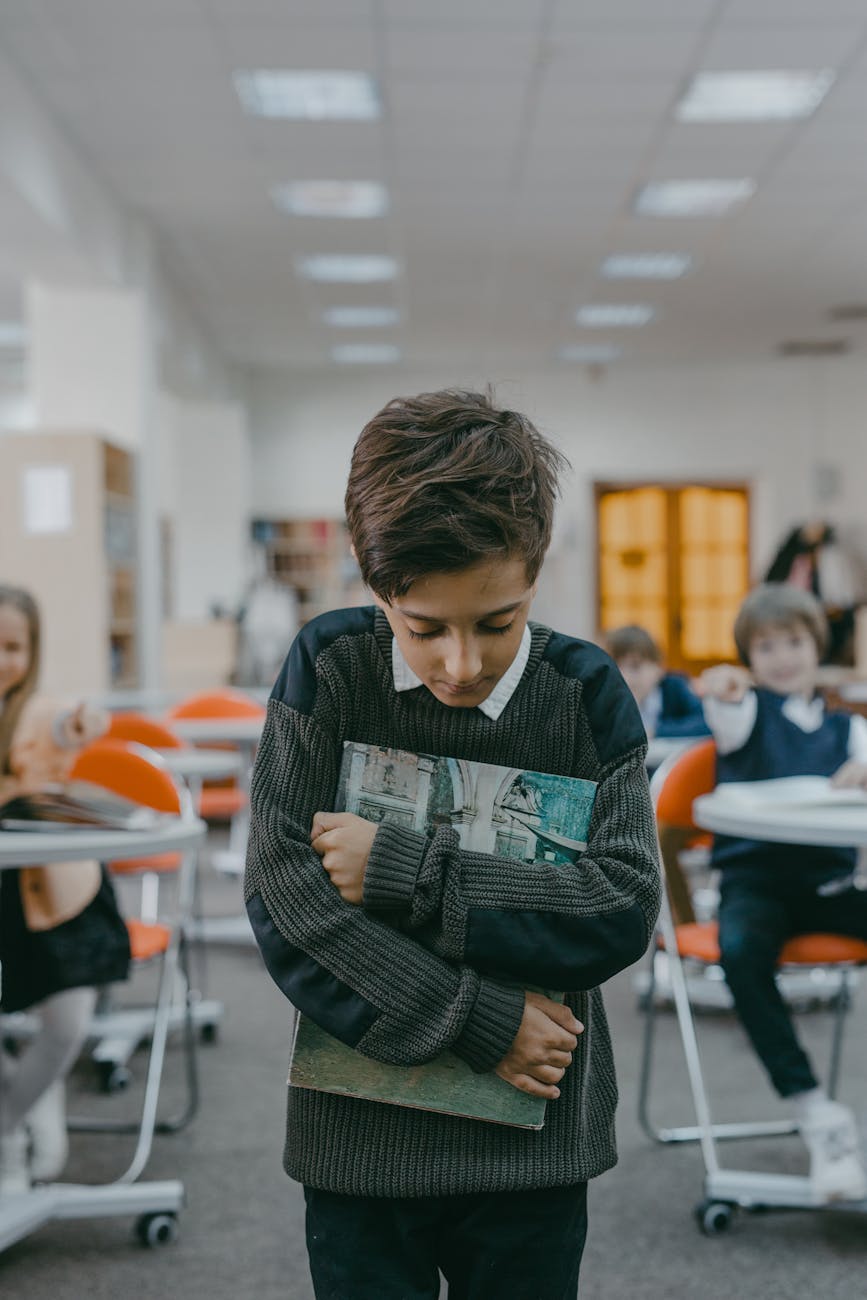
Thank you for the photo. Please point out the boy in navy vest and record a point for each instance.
(770, 722)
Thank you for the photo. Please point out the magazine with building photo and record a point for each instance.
(74, 805)
(532, 816)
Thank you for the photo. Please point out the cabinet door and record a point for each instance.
(675, 559)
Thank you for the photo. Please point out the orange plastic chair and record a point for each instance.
(675, 786)
(138, 773)
(223, 703)
(219, 800)
(134, 772)
(144, 730)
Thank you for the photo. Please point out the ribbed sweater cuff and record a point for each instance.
(491, 1026)
(392, 868)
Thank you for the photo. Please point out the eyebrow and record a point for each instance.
(427, 618)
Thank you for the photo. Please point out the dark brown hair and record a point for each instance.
(444, 480)
(13, 703)
(632, 640)
(776, 605)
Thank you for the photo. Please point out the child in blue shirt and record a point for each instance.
(769, 721)
(667, 705)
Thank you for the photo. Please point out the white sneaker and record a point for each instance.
(836, 1170)
(46, 1121)
(14, 1169)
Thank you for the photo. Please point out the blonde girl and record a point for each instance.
(60, 930)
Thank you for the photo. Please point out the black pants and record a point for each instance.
(490, 1246)
(759, 910)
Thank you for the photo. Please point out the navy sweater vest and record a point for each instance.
(778, 747)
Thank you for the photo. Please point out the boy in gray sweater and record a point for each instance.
(401, 944)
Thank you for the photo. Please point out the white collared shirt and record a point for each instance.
(406, 680)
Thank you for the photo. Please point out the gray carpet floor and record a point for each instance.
(242, 1233)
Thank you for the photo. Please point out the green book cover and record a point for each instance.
(533, 816)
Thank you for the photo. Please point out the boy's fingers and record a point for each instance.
(561, 1015)
(526, 1083)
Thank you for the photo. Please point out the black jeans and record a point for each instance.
(490, 1246)
(760, 908)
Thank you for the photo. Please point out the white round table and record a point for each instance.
(25, 848)
(196, 765)
(836, 825)
(659, 748)
(244, 732)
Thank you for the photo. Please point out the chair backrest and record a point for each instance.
(680, 780)
(217, 704)
(144, 730)
(132, 771)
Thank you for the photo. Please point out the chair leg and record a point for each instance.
(689, 1133)
(842, 1004)
(174, 1123)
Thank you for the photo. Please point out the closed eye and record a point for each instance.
(483, 627)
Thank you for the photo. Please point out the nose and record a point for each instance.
(463, 661)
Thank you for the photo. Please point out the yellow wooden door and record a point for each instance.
(675, 559)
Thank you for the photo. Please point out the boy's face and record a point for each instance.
(641, 675)
(784, 659)
(459, 632)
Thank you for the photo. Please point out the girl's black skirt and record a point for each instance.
(90, 949)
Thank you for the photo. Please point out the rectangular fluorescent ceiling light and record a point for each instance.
(645, 266)
(706, 198)
(360, 317)
(591, 354)
(339, 96)
(754, 96)
(614, 315)
(13, 334)
(340, 268)
(331, 198)
(365, 354)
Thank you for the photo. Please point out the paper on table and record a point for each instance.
(789, 792)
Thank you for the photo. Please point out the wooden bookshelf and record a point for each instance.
(68, 534)
(311, 556)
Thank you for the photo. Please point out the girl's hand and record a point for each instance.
(851, 776)
(725, 682)
(83, 724)
(343, 842)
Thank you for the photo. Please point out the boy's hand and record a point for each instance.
(343, 842)
(726, 683)
(543, 1047)
(851, 776)
(85, 723)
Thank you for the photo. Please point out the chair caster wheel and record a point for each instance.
(714, 1217)
(157, 1229)
(209, 1033)
(114, 1078)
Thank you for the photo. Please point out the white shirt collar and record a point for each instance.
(406, 680)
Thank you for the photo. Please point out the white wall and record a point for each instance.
(211, 504)
(768, 424)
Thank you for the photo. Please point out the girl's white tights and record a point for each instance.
(65, 1018)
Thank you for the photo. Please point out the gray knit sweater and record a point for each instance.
(445, 942)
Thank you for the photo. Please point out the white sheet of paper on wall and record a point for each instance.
(47, 498)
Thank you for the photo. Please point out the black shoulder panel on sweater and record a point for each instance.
(296, 683)
(613, 714)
